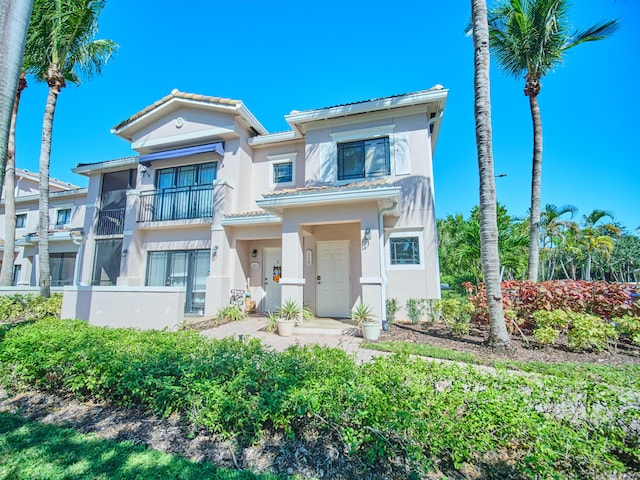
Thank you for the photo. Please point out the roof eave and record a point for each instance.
(387, 103)
(277, 203)
(108, 165)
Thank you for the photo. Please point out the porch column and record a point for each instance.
(132, 272)
(219, 279)
(371, 280)
(292, 280)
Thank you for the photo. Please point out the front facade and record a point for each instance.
(337, 211)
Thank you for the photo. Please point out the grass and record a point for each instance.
(624, 376)
(31, 450)
(424, 350)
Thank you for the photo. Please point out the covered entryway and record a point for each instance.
(272, 271)
(332, 280)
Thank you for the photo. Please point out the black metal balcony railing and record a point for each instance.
(110, 222)
(176, 203)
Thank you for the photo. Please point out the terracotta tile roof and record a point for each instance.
(255, 213)
(177, 94)
(365, 185)
(435, 87)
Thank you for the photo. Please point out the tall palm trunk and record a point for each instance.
(498, 336)
(56, 82)
(536, 180)
(8, 256)
(14, 23)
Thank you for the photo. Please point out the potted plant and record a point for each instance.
(291, 314)
(364, 318)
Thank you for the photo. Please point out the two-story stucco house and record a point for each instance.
(336, 211)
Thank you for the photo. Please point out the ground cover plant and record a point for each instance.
(31, 450)
(400, 409)
(20, 307)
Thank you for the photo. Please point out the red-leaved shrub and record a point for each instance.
(606, 300)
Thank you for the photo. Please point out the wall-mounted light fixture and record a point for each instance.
(125, 252)
(367, 234)
(254, 253)
(214, 252)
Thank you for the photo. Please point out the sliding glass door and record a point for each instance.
(181, 268)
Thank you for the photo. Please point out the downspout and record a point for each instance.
(431, 123)
(383, 269)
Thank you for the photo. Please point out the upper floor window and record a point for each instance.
(21, 220)
(283, 170)
(364, 159)
(63, 216)
(186, 176)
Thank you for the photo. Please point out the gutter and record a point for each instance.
(383, 269)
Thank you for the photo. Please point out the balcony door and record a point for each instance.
(184, 192)
(181, 268)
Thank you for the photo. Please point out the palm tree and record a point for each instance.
(8, 255)
(552, 228)
(498, 336)
(597, 237)
(14, 22)
(68, 27)
(530, 38)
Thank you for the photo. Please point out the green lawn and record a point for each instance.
(624, 376)
(32, 451)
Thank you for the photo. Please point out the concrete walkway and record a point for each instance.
(253, 327)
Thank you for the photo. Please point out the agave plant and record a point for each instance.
(291, 310)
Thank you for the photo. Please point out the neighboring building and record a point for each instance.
(66, 213)
(337, 211)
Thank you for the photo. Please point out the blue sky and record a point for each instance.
(281, 56)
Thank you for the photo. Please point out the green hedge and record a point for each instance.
(392, 408)
(20, 307)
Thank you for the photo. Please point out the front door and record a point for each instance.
(332, 279)
(272, 271)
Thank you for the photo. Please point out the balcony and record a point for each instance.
(179, 203)
(110, 222)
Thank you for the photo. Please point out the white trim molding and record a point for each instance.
(363, 133)
(371, 280)
(291, 281)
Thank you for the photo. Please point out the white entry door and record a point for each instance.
(332, 279)
(271, 271)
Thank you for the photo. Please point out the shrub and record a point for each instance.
(392, 308)
(556, 319)
(605, 300)
(230, 313)
(393, 407)
(628, 326)
(416, 308)
(456, 315)
(20, 307)
(433, 310)
(589, 331)
(546, 335)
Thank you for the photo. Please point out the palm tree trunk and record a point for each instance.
(43, 227)
(498, 336)
(8, 256)
(536, 180)
(14, 23)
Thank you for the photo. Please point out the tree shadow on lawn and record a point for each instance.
(33, 450)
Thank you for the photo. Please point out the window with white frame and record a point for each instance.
(63, 216)
(21, 220)
(405, 250)
(282, 170)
